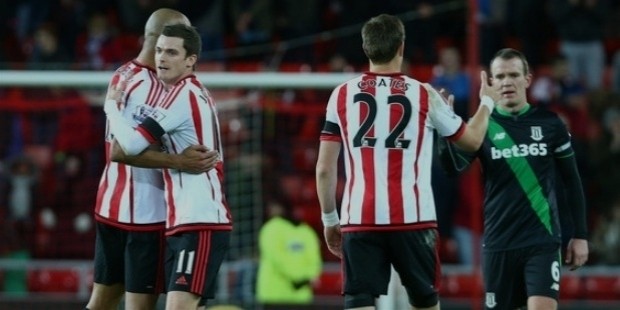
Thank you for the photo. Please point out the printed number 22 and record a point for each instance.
(360, 138)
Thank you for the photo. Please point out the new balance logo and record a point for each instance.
(181, 281)
(499, 136)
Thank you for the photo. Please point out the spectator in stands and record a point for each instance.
(607, 235)
(550, 89)
(605, 157)
(580, 26)
(290, 259)
(29, 15)
(567, 96)
(421, 46)
(491, 17)
(98, 48)
(253, 20)
(17, 227)
(529, 22)
(209, 17)
(296, 19)
(615, 79)
(133, 14)
(22, 174)
(449, 75)
(47, 54)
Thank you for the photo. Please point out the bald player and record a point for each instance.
(130, 209)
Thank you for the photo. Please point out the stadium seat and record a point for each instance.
(571, 287)
(461, 286)
(53, 281)
(329, 283)
(602, 287)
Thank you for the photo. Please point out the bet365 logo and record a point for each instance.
(520, 150)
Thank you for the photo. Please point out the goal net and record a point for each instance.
(53, 121)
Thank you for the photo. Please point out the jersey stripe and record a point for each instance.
(420, 139)
(202, 261)
(527, 178)
(172, 95)
(132, 88)
(132, 206)
(119, 188)
(342, 113)
(368, 161)
(169, 198)
(103, 188)
(395, 163)
(196, 116)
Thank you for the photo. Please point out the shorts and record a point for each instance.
(193, 260)
(368, 256)
(511, 276)
(133, 258)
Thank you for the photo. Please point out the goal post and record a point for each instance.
(85, 79)
(246, 103)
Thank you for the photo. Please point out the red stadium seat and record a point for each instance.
(571, 287)
(602, 287)
(329, 283)
(461, 286)
(53, 281)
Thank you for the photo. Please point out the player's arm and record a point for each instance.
(577, 249)
(469, 136)
(194, 159)
(476, 128)
(452, 159)
(327, 175)
(326, 183)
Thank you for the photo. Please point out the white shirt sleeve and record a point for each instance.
(441, 114)
(131, 141)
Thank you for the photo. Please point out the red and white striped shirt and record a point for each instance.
(187, 116)
(386, 124)
(131, 197)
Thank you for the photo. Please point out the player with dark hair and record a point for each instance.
(130, 209)
(384, 121)
(524, 149)
(198, 220)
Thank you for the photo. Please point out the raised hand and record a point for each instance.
(486, 88)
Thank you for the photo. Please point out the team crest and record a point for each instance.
(536, 133)
(490, 300)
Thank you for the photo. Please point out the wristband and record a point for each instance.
(487, 102)
(330, 219)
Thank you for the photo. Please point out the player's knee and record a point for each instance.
(423, 301)
(358, 300)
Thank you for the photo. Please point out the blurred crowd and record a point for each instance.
(49, 167)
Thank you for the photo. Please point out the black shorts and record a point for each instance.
(510, 277)
(367, 257)
(135, 259)
(193, 260)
